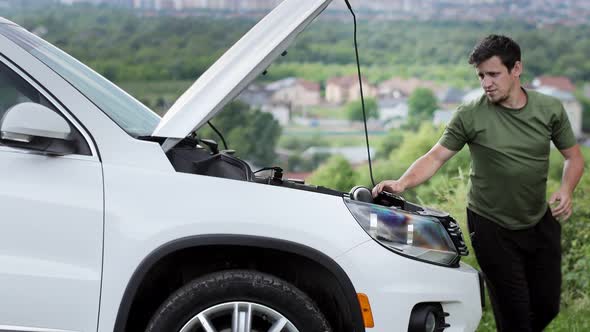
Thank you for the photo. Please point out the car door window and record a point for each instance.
(15, 90)
(128, 113)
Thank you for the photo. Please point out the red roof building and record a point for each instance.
(557, 82)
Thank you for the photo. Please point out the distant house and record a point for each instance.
(345, 89)
(450, 96)
(295, 92)
(281, 84)
(393, 112)
(323, 123)
(442, 117)
(255, 95)
(279, 111)
(355, 155)
(390, 108)
(556, 82)
(397, 87)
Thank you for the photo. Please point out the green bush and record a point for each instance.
(354, 109)
(575, 234)
(336, 173)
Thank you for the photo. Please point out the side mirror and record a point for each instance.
(35, 127)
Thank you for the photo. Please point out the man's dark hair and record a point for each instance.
(496, 45)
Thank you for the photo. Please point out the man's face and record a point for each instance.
(497, 82)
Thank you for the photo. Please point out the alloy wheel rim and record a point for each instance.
(239, 317)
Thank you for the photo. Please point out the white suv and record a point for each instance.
(113, 219)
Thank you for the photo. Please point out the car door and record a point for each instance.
(51, 224)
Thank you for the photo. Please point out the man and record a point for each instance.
(514, 233)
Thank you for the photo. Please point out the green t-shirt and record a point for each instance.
(509, 155)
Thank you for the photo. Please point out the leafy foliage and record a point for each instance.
(390, 142)
(252, 133)
(421, 106)
(354, 109)
(576, 237)
(336, 173)
(585, 112)
(422, 103)
(125, 47)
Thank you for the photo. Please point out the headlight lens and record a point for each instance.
(421, 237)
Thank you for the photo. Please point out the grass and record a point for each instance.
(571, 319)
(335, 139)
(326, 112)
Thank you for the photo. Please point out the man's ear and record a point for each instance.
(517, 69)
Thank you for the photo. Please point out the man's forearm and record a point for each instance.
(420, 171)
(572, 172)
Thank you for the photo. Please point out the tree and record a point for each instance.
(422, 104)
(336, 173)
(390, 142)
(252, 133)
(415, 144)
(354, 109)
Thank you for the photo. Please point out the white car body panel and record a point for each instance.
(394, 291)
(135, 227)
(241, 64)
(51, 241)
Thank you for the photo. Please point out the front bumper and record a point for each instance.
(395, 284)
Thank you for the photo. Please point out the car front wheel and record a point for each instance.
(238, 301)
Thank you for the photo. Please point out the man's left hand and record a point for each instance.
(563, 210)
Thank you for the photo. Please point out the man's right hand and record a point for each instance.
(392, 186)
(419, 172)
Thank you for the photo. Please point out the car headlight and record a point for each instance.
(416, 236)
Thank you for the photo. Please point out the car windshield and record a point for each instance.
(131, 115)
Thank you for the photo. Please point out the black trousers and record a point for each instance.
(522, 270)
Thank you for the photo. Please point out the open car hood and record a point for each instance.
(240, 65)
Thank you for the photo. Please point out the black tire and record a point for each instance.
(243, 286)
